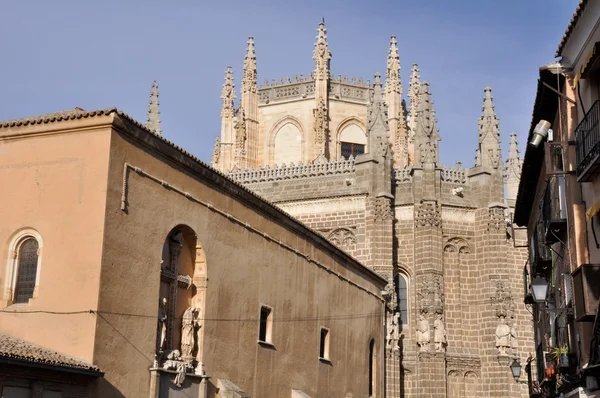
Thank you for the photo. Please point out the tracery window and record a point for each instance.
(27, 260)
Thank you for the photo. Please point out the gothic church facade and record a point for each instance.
(350, 160)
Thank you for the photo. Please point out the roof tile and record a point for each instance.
(15, 348)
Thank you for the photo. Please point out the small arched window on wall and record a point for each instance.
(23, 271)
(402, 292)
(353, 141)
(372, 369)
(27, 260)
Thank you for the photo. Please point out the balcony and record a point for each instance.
(587, 138)
(554, 210)
(586, 290)
(540, 255)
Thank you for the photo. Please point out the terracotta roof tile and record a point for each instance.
(70, 114)
(15, 348)
(572, 23)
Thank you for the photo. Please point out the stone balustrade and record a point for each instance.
(293, 171)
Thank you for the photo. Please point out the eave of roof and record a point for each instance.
(232, 187)
(14, 350)
(544, 108)
(572, 23)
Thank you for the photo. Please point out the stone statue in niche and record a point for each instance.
(423, 334)
(162, 325)
(503, 335)
(513, 338)
(189, 323)
(439, 334)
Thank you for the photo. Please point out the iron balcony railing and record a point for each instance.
(587, 137)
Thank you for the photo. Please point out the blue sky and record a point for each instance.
(65, 53)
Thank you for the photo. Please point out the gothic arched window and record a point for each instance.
(353, 141)
(27, 263)
(402, 292)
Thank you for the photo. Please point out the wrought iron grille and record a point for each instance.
(350, 148)
(27, 270)
(587, 137)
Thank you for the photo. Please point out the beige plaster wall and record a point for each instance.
(55, 183)
(244, 270)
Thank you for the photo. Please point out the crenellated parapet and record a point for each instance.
(453, 174)
(403, 174)
(293, 171)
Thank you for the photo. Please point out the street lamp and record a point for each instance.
(515, 368)
(539, 289)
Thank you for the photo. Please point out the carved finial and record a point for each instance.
(414, 90)
(426, 131)
(514, 161)
(489, 133)
(153, 119)
(392, 77)
(321, 54)
(228, 94)
(249, 78)
(377, 123)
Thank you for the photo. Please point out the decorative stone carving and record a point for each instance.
(216, 151)
(393, 331)
(430, 294)
(383, 209)
(342, 238)
(249, 82)
(280, 173)
(321, 127)
(428, 214)
(189, 323)
(175, 362)
(503, 336)
(453, 174)
(228, 95)
(321, 54)
(428, 151)
(496, 220)
(423, 333)
(403, 174)
(240, 139)
(439, 334)
(392, 78)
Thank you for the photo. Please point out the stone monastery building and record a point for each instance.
(353, 161)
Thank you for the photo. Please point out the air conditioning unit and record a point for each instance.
(586, 291)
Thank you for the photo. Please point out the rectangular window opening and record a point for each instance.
(350, 148)
(324, 344)
(266, 325)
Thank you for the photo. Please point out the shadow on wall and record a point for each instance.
(103, 389)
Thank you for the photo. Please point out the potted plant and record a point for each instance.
(561, 356)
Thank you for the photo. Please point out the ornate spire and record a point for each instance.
(377, 122)
(489, 133)
(321, 54)
(228, 94)
(414, 90)
(249, 83)
(392, 77)
(153, 119)
(514, 161)
(512, 170)
(426, 131)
